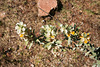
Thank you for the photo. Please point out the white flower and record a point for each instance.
(82, 39)
(21, 23)
(43, 20)
(48, 29)
(62, 29)
(47, 34)
(52, 32)
(17, 24)
(32, 65)
(58, 46)
(82, 49)
(42, 43)
(51, 26)
(66, 25)
(23, 32)
(42, 27)
(88, 38)
(30, 28)
(24, 25)
(66, 31)
(16, 27)
(18, 31)
(46, 26)
(25, 39)
(61, 25)
(23, 29)
(74, 48)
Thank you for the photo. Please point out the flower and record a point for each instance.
(62, 29)
(24, 25)
(42, 27)
(47, 34)
(52, 32)
(66, 31)
(81, 36)
(17, 24)
(25, 39)
(73, 32)
(19, 31)
(21, 35)
(20, 28)
(52, 37)
(68, 35)
(82, 39)
(88, 38)
(16, 27)
(23, 29)
(85, 41)
(88, 34)
(21, 23)
(30, 28)
(61, 25)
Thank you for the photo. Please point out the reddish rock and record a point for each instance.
(46, 5)
(0, 35)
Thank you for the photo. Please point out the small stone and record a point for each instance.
(0, 35)
(2, 15)
(45, 6)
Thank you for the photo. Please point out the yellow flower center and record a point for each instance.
(88, 34)
(68, 35)
(52, 37)
(81, 36)
(73, 32)
(21, 35)
(88, 39)
(85, 41)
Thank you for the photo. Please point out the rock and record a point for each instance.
(46, 5)
(0, 35)
(2, 15)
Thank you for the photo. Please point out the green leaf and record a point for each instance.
(78, 27)
(47, 39)
(26, 42)
(87, 53)
(48, 46)
(63, 50)
(33, 31)
(69, 40)
(30, 44)
(59, 42)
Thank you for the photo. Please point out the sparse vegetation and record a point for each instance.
(21, 43)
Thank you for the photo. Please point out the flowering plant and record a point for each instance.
(20, 27)
(48, 38)
(25, 33)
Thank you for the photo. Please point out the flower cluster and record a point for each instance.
(24, 33)
(20, 27)
(48, 39)
(85, 38)
(69, 32)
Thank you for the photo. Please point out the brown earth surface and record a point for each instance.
(85, 13)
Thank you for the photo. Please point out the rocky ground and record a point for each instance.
(85, 13)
